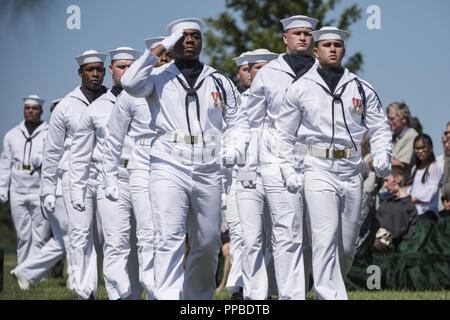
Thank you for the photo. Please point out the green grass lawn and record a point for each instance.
(55, 289)
(50, 289)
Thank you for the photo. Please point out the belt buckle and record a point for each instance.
(125, 163)
(339, 154)
(190, 139)
(26, 167)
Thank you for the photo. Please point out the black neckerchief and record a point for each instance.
(116, 90)
(331, 76)
(31, 126)
(92, 95)
(190, 69)
(241, 88)
(300, 64)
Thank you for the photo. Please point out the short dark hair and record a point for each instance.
(445, 190)
(400, 171)
(82, 66)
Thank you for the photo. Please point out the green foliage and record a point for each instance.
(7, 232)
(252, 24)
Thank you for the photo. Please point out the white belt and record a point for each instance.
(177, 137)
(330, 153)
(123, 163)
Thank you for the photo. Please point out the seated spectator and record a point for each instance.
(443, 161)
(445, 212)
(368, 207)
(399, 118)
(426, 178)
(397, 213)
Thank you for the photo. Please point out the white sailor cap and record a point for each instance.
(330, 33)
(54, 103)
(150, 43)
(299, 21)
(186, 23)
(124, 53)
(260, 55)
(241, 60)
(90, 56)
(33, 100)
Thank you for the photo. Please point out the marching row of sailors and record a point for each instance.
(164, 143)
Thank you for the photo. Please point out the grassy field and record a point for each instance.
(55, 289)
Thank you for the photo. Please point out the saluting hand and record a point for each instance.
(170, 41)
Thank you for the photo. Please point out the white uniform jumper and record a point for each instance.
(131, 117)
(235, 280)
(86, 152)
(19, 176)
(63, 124)
(185, 179)
(332, 125)
(36, 267)
(264, 102)
(254, 229)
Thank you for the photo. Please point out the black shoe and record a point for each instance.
(91, 297)
(238, 295)
(58, 270)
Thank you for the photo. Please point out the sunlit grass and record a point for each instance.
(55, 289)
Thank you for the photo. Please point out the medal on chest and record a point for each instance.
(357, 103)
(217, 99)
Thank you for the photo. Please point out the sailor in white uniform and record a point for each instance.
(131, 117)
(188, 103)
(63, 124)
(88, 147)
(330, 109)
(229, 202)
(22, 147)
(36, 268)
(254, 219)
(265, 98)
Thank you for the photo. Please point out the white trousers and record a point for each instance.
(334, 209)
(37, 266)
(257, 262)
(139, 189)
(286, 211)
(185, 200)
(32, 229)
(81, 236)
(234, 281)
(116, 217)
